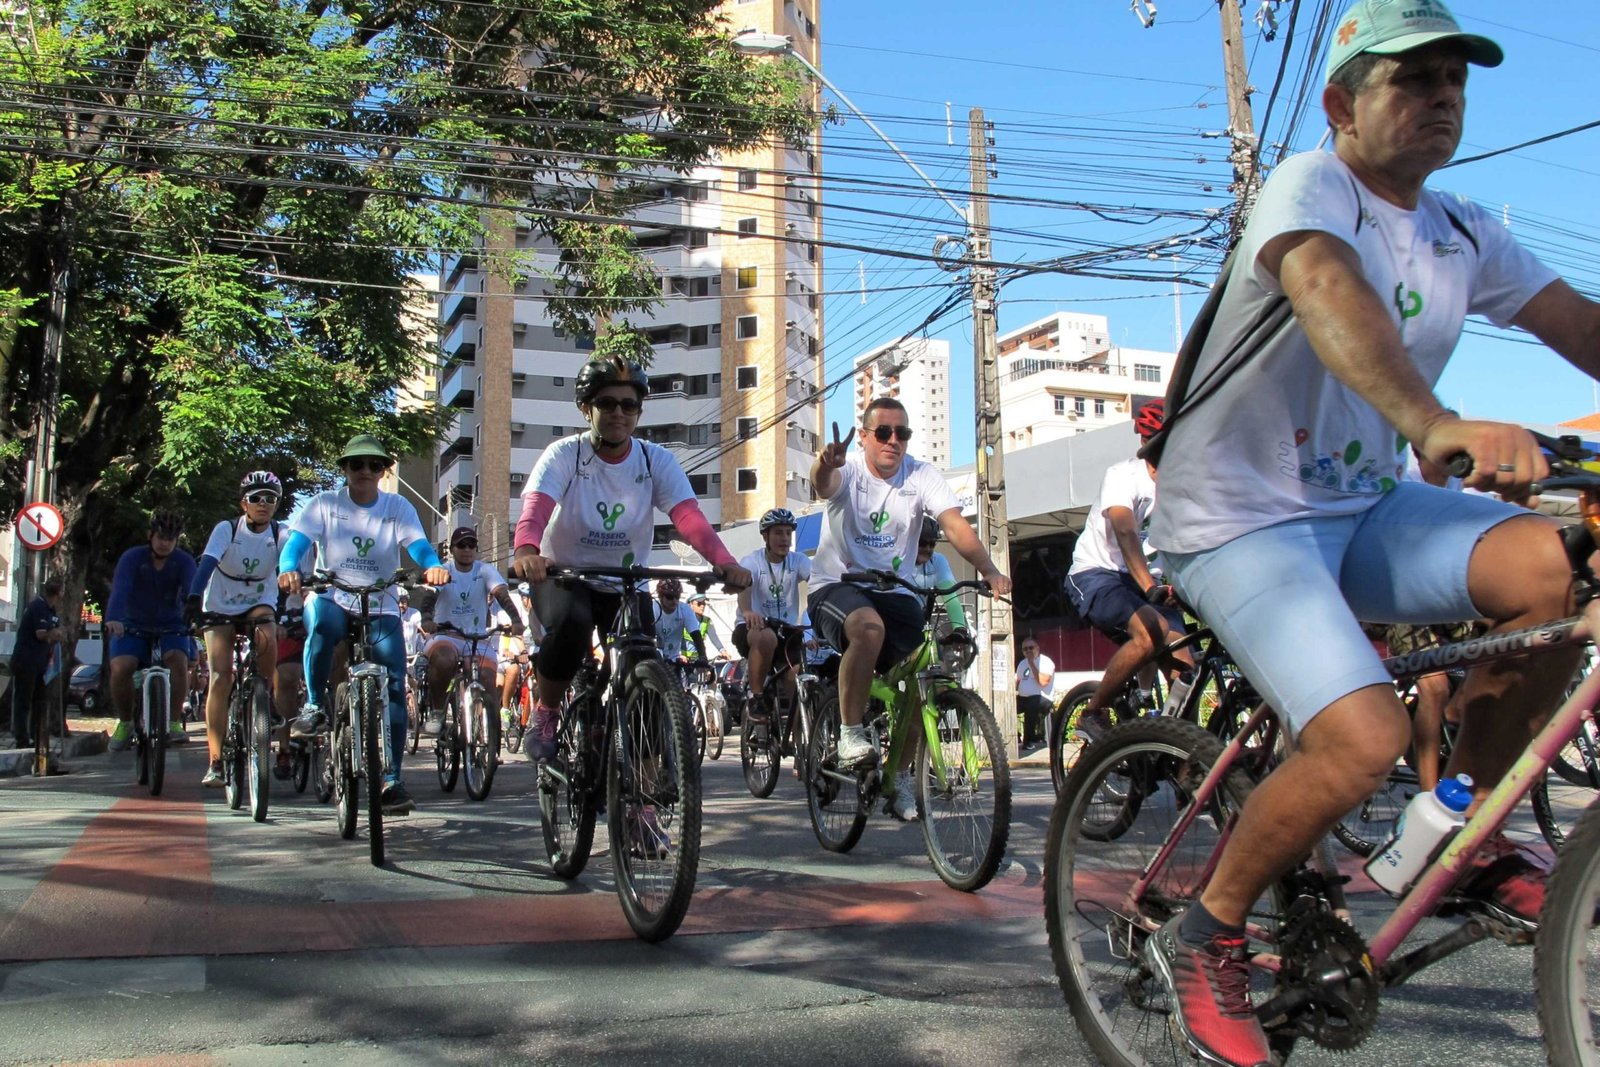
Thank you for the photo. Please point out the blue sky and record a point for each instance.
(1092, 108)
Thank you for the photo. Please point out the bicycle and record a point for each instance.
(624, 746)
(416, 683)
(247, 739)
(358, 750)
(963, 780)
(516, 716)
(151, 718)
(469, 736)
(762, 746)
(705, 691)
(1315, 976)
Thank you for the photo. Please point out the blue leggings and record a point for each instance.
(326, 625)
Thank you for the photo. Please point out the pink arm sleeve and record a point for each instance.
(536, 510)
(691, 522)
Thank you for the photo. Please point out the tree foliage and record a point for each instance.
(242, 188)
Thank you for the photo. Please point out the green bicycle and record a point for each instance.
(963, 781)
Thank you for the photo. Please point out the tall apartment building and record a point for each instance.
(737, 339)
(1061, 376)
(916, 373)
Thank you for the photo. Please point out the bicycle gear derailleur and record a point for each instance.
(1327, 991)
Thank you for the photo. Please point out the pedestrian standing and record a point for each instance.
(38, 635)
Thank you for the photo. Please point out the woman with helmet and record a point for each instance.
(770, 607)
(608, 487)
(147, 594)
(674, 621)
(238, 576)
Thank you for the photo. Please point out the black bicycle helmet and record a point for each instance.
(166, 523)
(930, 530)
(668, 588)
(260, 481)
(599, 373)
(777, 517)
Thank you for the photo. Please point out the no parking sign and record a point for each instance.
(39, 526)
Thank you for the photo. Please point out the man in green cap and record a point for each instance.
(1283, 516)
(359, 531)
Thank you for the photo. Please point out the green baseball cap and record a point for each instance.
(1389, 27)
(364, 444)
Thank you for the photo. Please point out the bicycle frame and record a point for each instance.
(911, 683)
(157, 678)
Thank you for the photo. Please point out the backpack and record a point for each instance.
(277, 545)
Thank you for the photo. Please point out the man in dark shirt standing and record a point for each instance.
(37, 634)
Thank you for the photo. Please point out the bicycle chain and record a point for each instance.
(1339, 1014)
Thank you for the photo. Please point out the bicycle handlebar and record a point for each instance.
(701, 580)
(887, 579)
(321, 581)
(493, 631)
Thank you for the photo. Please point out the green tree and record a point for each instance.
(242, 187)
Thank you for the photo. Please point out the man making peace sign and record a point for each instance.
(876, 499)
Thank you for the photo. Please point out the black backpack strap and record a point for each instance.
(1460, 226)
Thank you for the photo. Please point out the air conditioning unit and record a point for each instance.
(678, 385)
(517, 427)
(788, 276)
(789, 229)
(789, 324)
(517, 477)
(518, 378)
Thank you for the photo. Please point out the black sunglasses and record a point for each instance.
(377, 466)
(465, 544)
(883, 433)
(262, 498)
(608, 404)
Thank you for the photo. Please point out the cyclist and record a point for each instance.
(515, 656)
(678, 633)
(933, 572)
(706, 628)
(237, 576)
(875, 502)
(773, 597)
(1109, 577)
(147, 593)
(1283, 517)
(603, 472)
(358, 532)
(463, 606)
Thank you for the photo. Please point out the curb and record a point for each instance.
(17, 762)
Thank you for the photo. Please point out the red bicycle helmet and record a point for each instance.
(1151, 416)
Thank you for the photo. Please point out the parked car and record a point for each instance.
(84, 689)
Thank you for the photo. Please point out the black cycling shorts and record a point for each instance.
(570, 614)
(831, 605)
(794, 649)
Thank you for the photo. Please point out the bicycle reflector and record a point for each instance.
(957, 650)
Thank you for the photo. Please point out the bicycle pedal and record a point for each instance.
(1497, 922)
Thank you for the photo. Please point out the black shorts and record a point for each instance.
(794, 645)
(570, 614)
(831, 605)
(1109, 599)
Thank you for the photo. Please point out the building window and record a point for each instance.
(747, 429)
(558, 382)
(746, 327)
(555, 431)
(747, 180)
(1099, 407)
(1078, 406)
(1061, 404)
(811, 252)
(1146, 372)
(747, 227)
(745, 278)
(747, 479)
(699, 239)
(747, 378)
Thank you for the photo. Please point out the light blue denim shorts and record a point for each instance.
(1286, 600)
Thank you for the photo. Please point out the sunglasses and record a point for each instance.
(608, 404)
(465, 544)
(261, 498)
(883, 433)
(376, 466)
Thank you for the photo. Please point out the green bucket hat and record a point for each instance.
(364, 444)
(1389, 27)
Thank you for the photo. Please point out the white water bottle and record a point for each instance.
(1428, 822)
(1177, 694)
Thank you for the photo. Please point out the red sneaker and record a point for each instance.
(1209, 989)
(1508, 876)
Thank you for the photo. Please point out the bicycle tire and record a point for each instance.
(1372, 823)
(835, 800)
(716, 727)
(1566, 972)
(759, 760)
(1097, 947)
(568, 804)
(302, 768)
(967, 820)
(413, 718)
(1063, 721)
(234, 751)
(373, 705)
(321, 769)
(697, 724)
(342, 764)
(653, 800)
(1569, 762)
(447, 746)
(141, 757)
(260, 736)
(482, 744)
(158, 741)
(1558, 804)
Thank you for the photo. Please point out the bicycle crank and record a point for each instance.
(1328, 991)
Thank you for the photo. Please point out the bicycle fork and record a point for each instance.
(371, 680)
(153, 691)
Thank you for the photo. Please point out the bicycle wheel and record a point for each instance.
(1366, 828)
(413, 718)
(715, 725)
(837, 804)
(373, 707)
(141, 756)
(1566, 951)
(235, 750)
(1096, 933)
(759, 758)
(965, 795)
(567, 797)
(697, 721)
(481, 744)
(1558, 804)
(158, 740)
(447, 747)
(301, 755)
(653, 796)
(341, 764)
(260, 748)
(1573, 761)
(1064, 746)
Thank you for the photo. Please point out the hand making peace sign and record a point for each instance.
(833, 455)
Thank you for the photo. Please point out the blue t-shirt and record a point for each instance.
(30, 653)
(146, 598)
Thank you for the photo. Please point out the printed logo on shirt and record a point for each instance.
(609, 517)
(1407, 301)
(880, 519)
(363, 545)
(1446, 248)
(250, 566)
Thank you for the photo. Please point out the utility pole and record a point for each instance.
(1241, 123)
(995, 665)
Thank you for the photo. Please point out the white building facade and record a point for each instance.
(916, 373)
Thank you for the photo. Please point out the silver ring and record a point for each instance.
(1507, 468)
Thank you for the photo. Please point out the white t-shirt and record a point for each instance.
(670, 627)
(466, 599)
(605, 513)
(873, 524)
(1028, 683)
(361, 544)
(247, 567)
(411, 625)
(1126, 485)
(775, 587)
(1283, 439)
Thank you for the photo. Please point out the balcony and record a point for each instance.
(455, 266)
(461, 343)
(460, 386)
(1027, 367)
(457, 305)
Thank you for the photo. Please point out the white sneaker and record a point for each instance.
(903, 805)
(855, 749)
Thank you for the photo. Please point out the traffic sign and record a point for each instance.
(39, 526)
